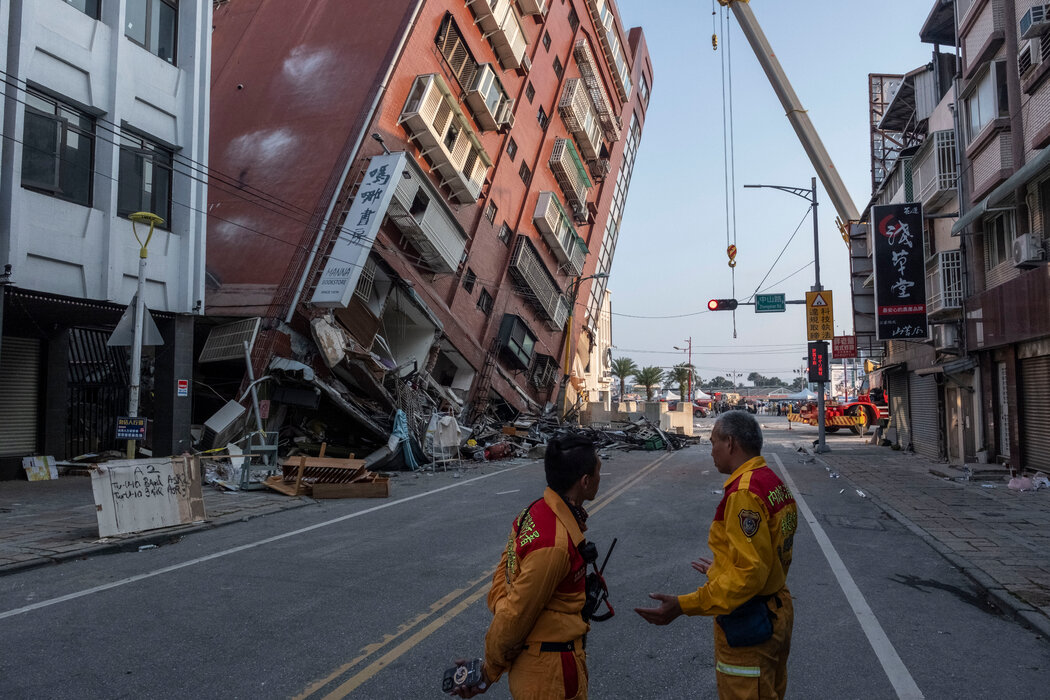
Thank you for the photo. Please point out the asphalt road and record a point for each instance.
(372, 598)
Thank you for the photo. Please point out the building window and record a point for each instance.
(542, 118)
(574, 19)
(524, 173)
(452, 46)
(152, 24)
(998, 240)
(530, 92)
(505, 233)
(490, 212)
(145, 178)
(512, 148)
(58, 149)
(559, 69)
(469, 279)
(988, 101)
(547, 41)
(485, 302)
(643, 90)
(88, 7)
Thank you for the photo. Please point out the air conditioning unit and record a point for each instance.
(1028, 57)
(1028, 250)
(505, 117)
(1035, 21)
(946, 337)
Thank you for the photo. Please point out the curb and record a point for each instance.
(157, 538)
(986, 585)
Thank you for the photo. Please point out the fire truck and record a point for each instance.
(867, 409)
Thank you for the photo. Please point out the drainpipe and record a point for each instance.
(350, 161)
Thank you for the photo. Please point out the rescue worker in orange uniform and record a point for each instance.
(537, 635)
(751, 540)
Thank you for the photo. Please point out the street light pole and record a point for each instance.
(810, 196)
(141, 217)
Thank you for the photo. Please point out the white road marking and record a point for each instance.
(235, 550)
(504, 493)
(896, 671)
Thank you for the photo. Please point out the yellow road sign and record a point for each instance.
(820, 323)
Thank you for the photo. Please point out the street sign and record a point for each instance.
(820, 324)
(769, 303)
(843, 347)
(818, 361)
(131, 428)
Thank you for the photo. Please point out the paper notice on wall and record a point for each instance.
(40, 468)
(133, 495)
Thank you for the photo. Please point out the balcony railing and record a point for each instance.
(426, 221)
(611, 124)
(934, 169)
(487, 99)
(944, 284)
(537, 285)
(445, 137)
(602, 14)
(579, 116)
(500, 24)
(557, 229)
(571, 176)
(532, 7)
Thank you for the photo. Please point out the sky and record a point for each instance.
(671, 255)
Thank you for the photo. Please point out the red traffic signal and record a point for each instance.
(721, 304)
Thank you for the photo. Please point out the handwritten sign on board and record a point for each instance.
(132, 495)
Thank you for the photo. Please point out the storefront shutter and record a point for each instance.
(19, 385)
(1035, 412)
(899, 407)
(925, 412)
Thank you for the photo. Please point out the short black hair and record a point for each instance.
(568, 457)
(742, 427)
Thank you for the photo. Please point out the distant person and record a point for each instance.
(538, 632)
(751, 542)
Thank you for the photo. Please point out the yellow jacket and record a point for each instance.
(537, 592)
(751, 538)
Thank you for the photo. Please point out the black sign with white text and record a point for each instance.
(900, 275)
(818, 361)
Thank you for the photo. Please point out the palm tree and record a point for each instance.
(622, 368)
(649, 377)
(679, 375)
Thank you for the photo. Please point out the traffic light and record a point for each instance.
(721, 304)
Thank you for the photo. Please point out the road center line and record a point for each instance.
(895, 670)
(241, 548)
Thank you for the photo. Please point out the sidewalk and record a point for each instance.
(47, 522)
(998, 537)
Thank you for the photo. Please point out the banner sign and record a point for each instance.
(900, 275)
(843, 347)
(818, 362)
(343, 268)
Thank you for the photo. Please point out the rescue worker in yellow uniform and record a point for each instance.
(751, 540)
(537, 635)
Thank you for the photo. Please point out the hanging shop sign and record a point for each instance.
(900, 279)
(358, 233)
(843, 347)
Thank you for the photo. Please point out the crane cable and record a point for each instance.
(728, 146)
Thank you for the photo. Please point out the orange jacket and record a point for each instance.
(751, 538)
(537, 592)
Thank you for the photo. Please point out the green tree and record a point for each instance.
(679, 376)
(622, 368)
(719, 383)
(649, 377)
(798, 385)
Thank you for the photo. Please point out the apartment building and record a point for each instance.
(105, 113)
(418, 196)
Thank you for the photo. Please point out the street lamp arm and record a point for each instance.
(806, 194)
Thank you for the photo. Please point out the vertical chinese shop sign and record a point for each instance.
(900, 279)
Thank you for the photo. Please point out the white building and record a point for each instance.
(105, 113)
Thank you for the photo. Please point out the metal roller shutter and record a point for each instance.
(1035, 412)
(925, 412)
(19, 382)
(899, 407)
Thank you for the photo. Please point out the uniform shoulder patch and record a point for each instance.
(749, 522)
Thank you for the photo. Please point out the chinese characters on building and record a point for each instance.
(820, 322)
(900, 281)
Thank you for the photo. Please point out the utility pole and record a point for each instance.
(142, 217)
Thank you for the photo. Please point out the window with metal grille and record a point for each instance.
(460, 60)
(144, 183)
(469, 279)
(512, 148)
(485, 302)
(530, 92)
(490, 212)
(153, 25)
(58, 149)
(524, 173)
(505, 234)
(543, 372)
(574, 19)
